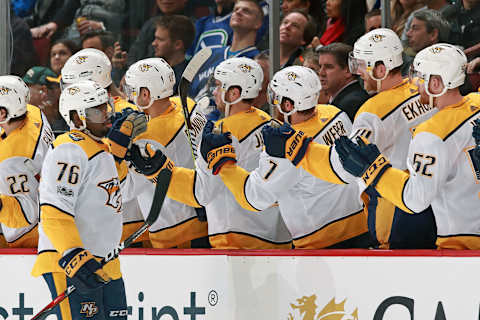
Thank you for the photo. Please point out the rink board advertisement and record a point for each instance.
(219, 287)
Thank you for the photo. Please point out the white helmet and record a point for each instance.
(155, 74)
(378, 45)
(79, 97)
(242, 72)
(441, 59)
(297, 83)
(14, 94)
(87, 64)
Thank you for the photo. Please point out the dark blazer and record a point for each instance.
(350, 99)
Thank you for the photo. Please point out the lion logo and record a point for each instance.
(144, 67)
(73, 90)
(377, 38)
(114, 196)
(292, 76)
(4, 91)
(81, 59)
(245, 68)
(306, 309)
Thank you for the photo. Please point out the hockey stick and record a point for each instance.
(187, 77)
(163, 181)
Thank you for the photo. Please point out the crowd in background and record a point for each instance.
(318, 34)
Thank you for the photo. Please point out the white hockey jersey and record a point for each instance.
(318, 214)
(229, 225)
(81, 201)
(177, 222)
(443, 173)
(21, 157)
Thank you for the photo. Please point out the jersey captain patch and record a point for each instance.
(112, 187)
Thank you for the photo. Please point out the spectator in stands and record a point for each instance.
(373, 20)
(428, 27)
(214, 30)
(400, 11)
(464, 18)
(297, 30)
(105, 41)
(261, 100)
(343, 88)
(173, 36)
(345, 21)
(438, 5)
(247, 18)
(77, 17)
(60, 51)
(45, 91)
(35, 79)
(142, 47)
(314, 8)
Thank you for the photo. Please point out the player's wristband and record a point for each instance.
(375, 171)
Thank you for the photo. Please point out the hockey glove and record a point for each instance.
(125, 127)
(216, 148)
(362, 159)
(476, 136)
(85, 272)
(148, 162)
(284, 142)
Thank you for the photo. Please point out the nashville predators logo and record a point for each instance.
(292, 76)
(81, 59)
(112, 187)
(73, 90)
(4, 91)
(89, 309)
(377, 38)
(305, 309)
(144, 67)
(245, 68)
(436, 50)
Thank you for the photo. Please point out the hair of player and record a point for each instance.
(339, 51)
(179, 27)
(19, 118)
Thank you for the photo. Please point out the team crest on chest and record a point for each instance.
(114, 196)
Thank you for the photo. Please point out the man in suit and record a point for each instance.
(342, 87)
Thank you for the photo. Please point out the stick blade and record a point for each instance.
(196, 63)
(163, 181)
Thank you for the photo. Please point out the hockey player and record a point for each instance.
(81, 210)
(442, 171)
(387, 119)
(149, 83)
(239, 81)
(93, 64)
(318, 214)
(25, 137)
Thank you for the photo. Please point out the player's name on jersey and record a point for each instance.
(415, 109)
(334, 132)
